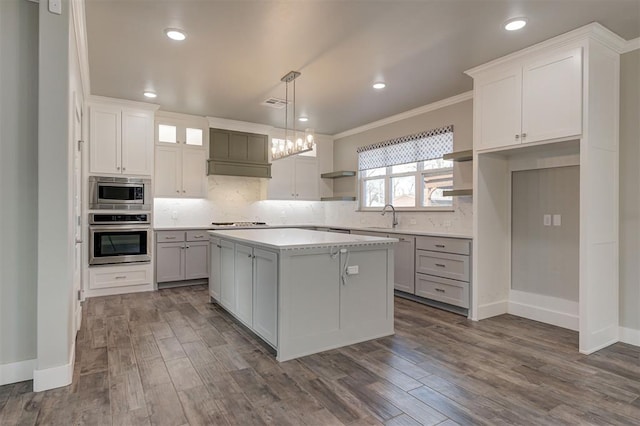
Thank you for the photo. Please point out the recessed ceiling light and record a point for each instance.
(303, 119)
(149, 94)
(379, 85)
(515, 24)
(175, 34)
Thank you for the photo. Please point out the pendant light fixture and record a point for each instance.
(293, 143)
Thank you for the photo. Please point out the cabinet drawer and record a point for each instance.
(446, 245)
(197, 235)
(443, 290)
(169, 236)
(454, 266)
(119, 276)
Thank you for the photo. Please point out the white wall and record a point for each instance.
(55, 218)
(630, 191)
(18, 185)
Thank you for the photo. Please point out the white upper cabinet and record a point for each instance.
(529, 100)
(552, 96)
(181, 156)
(120, 139)
(294, 178)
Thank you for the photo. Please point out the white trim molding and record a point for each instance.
(124, 103)
(547, 309)
(492, 309)
(239, 126)
(466, 96)
(80, 27)
(55, 377)
(630, 336)
(631, 45)
(15, 372)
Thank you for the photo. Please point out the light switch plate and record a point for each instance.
(55, 6)
(546, 220)
(353, 270)
(557, 220)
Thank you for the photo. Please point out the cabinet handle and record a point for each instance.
(440, 265)
(440, 290)
(524, 135)
(400, 239)
(121, 277)
(188, 246)
(198, 236)
(169, 238)
(440, 245)
(218, 245)
(250, 255)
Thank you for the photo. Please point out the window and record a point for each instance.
(408, 172)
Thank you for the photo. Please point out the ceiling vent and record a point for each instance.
(276, 103)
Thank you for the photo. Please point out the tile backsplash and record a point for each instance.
(232, 198)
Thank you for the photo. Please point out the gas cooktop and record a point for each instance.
(238, 224)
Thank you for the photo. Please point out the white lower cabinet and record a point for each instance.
(244, 280)
(244, 284)
(404, 260)
(227, 275)
(265, 295)
(116, 279)
(181, 256)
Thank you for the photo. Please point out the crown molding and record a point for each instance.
(239, 126)
(178, 116)
(631, 45)
(593, 31)
(407, 114)
(123, 103)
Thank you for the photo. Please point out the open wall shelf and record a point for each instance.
(338, 174)
(458, 192)
(460, 156)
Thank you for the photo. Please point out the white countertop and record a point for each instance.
(403, 231)
(293, 238)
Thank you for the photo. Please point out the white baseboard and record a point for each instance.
(17, 371)
(55, 377)
(549, 310)
(630, 336)
(492, 309)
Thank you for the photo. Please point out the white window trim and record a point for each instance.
(419, 174)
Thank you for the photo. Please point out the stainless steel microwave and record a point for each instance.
(119, 193)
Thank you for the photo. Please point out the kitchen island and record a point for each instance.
(304, 291)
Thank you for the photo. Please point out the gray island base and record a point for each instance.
(304, 291)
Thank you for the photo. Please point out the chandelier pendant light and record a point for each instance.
(293, 144)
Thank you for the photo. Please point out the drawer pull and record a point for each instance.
(121, 277)
(440, 265)
(169, 238)
(218, 245)
(198, 236)
(440, 245)
(440, 290)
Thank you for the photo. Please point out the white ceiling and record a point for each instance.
(237, 51)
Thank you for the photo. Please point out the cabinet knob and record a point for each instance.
(184, 190)
(249, 255)
(123, 169)
(517, 137)
(178, 191)
(524, 135)
(118, 168)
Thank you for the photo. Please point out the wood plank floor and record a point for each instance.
(172, 358)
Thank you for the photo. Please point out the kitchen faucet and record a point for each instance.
(384, 210)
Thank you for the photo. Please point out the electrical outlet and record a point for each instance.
(353, 270)
(546, 220)
(557, 220)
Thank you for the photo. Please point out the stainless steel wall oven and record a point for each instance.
(119, 238)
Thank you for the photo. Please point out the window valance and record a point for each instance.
(423, 146)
